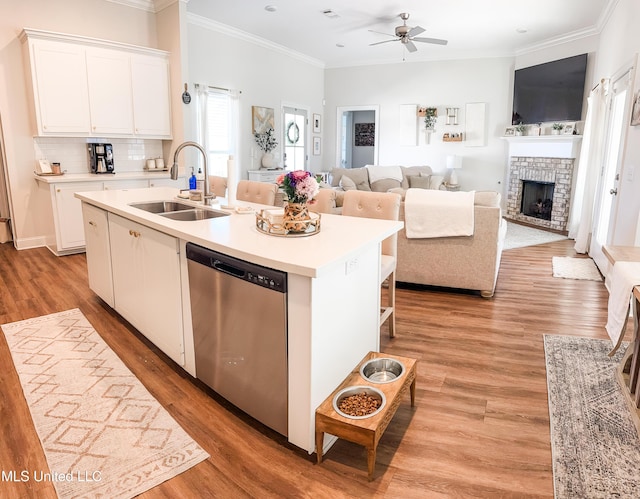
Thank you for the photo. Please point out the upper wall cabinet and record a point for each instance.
(84, 87)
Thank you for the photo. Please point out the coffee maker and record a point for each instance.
(101, 158)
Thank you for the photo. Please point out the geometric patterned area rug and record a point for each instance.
(102, 432)
(575, 268)
(595, 445)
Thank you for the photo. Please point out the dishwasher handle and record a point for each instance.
(227, 269)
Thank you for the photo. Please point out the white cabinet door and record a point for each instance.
(68, 214)
(146, 283)
(181, 183)
(110, 96)
(151, 97)
(59, 77)
(96, 234)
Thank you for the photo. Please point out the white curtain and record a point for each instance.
(201, 114)
(588, 168)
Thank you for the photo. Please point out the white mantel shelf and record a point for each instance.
(544, 146)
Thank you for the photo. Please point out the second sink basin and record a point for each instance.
(194, 214)
(161, 206)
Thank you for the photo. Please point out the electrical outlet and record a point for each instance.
(351, 265)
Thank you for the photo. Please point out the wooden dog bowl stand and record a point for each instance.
(367, 431)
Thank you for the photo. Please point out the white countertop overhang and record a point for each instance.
(340, 239)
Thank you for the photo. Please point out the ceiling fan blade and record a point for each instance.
(437, 41)
(410, 46)
(415, 31)
(380, 33)
(384, 41)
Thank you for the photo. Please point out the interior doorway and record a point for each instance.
(358, 135)
(606, 202)
(294, 138)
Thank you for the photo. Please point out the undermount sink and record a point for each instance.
(161, 206)
(193, 214)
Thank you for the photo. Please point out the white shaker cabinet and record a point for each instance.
(67, 216)
(61, 96)
(146, 283)
(110, 95)
(151, 97)
(96, 230)
(85, 87)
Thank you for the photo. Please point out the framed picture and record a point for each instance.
(316, 146)
(568, 128)
(316, 123)
(635, 113)
(365, 134)
(262, 119)
(510, 131)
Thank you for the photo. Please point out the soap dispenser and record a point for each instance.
(192, 180)
(200, 180)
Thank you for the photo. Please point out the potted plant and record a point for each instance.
(520, 128)
(556, 128)
(430, 118)
(266, 142)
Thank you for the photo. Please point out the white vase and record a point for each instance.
(555, 132)
(268, 161)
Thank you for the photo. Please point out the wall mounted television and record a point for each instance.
(552, 91)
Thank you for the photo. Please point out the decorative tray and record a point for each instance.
(274, 229)
(48, 174)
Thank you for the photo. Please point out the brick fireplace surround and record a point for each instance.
(557, 171)
(547, 159)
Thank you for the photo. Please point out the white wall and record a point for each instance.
(266, 78)
(93, 18)
(438, 84)
(619, 44)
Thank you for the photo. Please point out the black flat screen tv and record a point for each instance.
(552, 91)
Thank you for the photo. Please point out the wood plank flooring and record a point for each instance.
(480, 427)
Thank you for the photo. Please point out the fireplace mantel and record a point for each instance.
(544, 146)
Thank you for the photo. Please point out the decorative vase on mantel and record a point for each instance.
(296, 217)
(268, 161)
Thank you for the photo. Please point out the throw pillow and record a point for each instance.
(347, 184)
(437, 182)
(416, 181)
(383, 185)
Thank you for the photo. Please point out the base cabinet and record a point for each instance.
(146, 283)
(96, 230)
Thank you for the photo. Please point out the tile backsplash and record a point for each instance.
(129, 155)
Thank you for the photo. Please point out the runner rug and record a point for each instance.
(102, 432)
(595, 445)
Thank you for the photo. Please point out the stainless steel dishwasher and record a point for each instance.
(239, 314)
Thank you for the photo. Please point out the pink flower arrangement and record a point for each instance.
(299, 186)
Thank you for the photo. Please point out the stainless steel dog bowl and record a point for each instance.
(355, 390)
(382, 370)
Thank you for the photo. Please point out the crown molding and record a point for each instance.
(153, 6)
(225, 29)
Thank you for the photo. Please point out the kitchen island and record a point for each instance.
(333, 299)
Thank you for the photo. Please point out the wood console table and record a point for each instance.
(628, 370)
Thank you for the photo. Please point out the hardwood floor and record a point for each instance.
(480, 427)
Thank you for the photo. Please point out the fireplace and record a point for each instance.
(537, 199)
(539, 191)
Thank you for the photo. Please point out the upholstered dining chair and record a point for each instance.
(256, 192)
(218, 185)
(385, 206)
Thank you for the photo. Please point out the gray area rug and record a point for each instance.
(519, 236)
(595, 446)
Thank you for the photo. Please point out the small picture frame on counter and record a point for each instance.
(569, 129)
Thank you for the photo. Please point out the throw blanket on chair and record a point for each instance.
(624, 276)
(432, 213)
(383, 172)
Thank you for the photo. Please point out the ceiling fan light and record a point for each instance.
(330, 14)
(271, 8)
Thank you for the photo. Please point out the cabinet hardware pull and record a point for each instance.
(92, 223)
(613, 192)
(134, 233)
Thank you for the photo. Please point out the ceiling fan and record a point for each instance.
(407, 35)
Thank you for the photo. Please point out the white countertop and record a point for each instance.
(340, 239)
(101, 177)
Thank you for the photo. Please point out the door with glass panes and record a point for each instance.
(294, 135)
